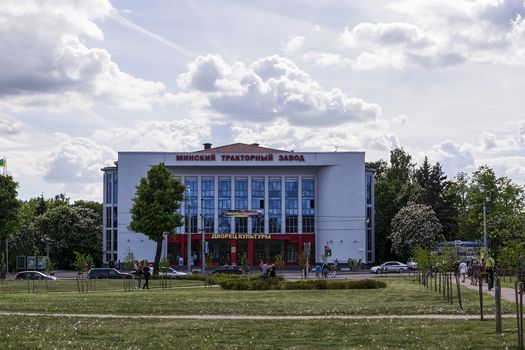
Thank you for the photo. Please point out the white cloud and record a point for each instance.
(490, 143)
(453, 157)
(294, 44)
(271, 88)
(50, 66)
(78, 160)
(177, 135)
(9, 126)
(327, 59)
(280, 134)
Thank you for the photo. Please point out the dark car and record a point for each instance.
(34, 275)
(108, 273)
(229, 269)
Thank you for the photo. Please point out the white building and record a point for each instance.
(322, 198)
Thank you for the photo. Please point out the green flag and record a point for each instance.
(2, 162)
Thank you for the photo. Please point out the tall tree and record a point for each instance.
(394, 189)
(434, 192)
(154, 209)
(9, 205)
(414, 226)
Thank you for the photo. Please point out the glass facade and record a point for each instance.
(274, 207)
(291, 204)
(208, 204)
(110, 216)
(258, 204)
(308, 202)
(191, 203)
(225, 198)
(241, 203)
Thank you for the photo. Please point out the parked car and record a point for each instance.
(389, 266)
(229, 269)
(171, 272)
(34, 275)
(108, 272)
(411, 264)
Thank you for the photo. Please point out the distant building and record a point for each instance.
(252, 202)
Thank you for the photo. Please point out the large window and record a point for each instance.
(208, 200)
(191, 196)
(258, 204)
(241, 203)
(274, 207)
(308, 202)
(109, 191)
(225, 192)
(291, 204)
(369, 180)
(115, 188)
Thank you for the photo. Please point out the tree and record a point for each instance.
(415, 225)
(9, 205)
(154, 209)
(394, 188)
(71, 229)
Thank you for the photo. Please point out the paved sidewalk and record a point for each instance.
(506, 293)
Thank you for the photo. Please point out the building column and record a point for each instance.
(233, 251)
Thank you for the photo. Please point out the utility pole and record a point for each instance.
(485, 252)
(203, 243)
(188, 226)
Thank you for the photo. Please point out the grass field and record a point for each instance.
(402, 296)
(74, 333)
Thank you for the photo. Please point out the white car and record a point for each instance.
(171, 272)
(34, 275)
(389, 266)
(412, 264)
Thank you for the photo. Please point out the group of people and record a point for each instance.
(142, 270)
(267, 270)
(477, 269)
(325, 269)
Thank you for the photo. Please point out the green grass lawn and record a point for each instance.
(73, 333)
(402, 296)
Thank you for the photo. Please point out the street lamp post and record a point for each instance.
(188, 226)
(485, 227)
(203, 243)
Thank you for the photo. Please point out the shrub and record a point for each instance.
(276, 284)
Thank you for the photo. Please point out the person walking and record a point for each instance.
(317, 271)
(463, 270)
(138, 274)
(489, 267)
(475, 273)
(145, 272)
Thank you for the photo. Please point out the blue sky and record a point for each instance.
(86, 79)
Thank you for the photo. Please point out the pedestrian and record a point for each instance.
(334, 270)
(146, 273)
(265, 270)
(475, 273)
(325, 271)
(111, 264)
(138, 274)
(317, 270)
(489, 266)
(195, 258)
(463, 270)
(271, 272)
(181, 261)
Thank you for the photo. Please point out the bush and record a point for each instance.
(277, 284)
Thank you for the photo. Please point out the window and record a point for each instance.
(191, 196)
(108, 187)
(258, 203)
(275, 224)
(115, 217)
(368, 189)
(224, 204)
(115, 240)
(208, 188)
(241, 225)
(308, 188)
(258, 225)
(108, 240)
(241, 187)
(308, 224)
(115, 188)
(308, 202)
(274, 188)
(257, 188)
(291, 224)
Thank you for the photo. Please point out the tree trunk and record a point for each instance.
(157, 254)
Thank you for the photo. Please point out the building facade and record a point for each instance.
(250, 203)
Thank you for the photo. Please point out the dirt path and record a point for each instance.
(506, 293)
(255, 317)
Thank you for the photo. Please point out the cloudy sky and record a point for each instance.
(82, 80)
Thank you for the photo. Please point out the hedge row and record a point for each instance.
(277, 284)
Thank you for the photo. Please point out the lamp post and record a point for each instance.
(485, 253)
(188, 218)
(203, 243)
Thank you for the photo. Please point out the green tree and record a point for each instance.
(9, 204)
(71, 229)
(394, 188)
(154, 209)
(414, 226)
